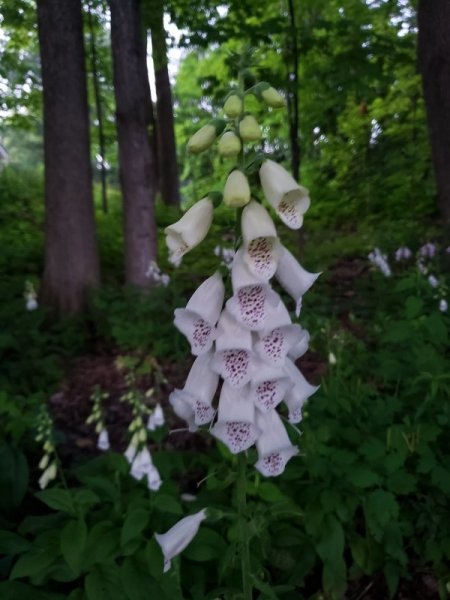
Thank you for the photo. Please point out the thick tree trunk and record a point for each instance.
(71, 260)
(137, 162)
(98, 107)
(167, 152)
(434, 61)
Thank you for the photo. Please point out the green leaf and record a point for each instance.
(331, 544)
(380, 508)
(135, 522)
(57, 499)
(34, 562)
(13, 476)
(270, 492)
(102, 542)
(362, 477)
(413, 307)
(167, 504)
(11, 543)
(103, 583)
(207, 545)
(73, 542)
(138, 584)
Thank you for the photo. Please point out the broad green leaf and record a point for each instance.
(73, 542)
(57, 499)
(135, 522)
(11, 543)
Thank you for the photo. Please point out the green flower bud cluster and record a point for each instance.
(139, 411)
(96, 416)
(44, 434)
(241, 128)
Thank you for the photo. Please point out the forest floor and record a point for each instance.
(71, 405)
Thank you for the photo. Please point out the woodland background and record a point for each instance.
(93, 167)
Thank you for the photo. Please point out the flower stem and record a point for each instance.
(241, 498)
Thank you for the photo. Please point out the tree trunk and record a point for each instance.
(434, 61)
(98, 108)
(136, 158)
(292, 93)
(71, 259)
(167, 152)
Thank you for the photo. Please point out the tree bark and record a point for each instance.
(136, 157)
(434, 62)
(71, 259)
(167, 152)
(98, 108)
(292, 94)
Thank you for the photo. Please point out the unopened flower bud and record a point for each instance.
(142, 435)
(202, 139)
(229, 145)
(273, 98)
(233, 106)
(44, 461)
(236, 192)
(48, 475)
(205, 136)
(249, 129)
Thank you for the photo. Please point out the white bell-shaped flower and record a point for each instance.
(197, 321)
(174, 541)
(298, 394)
(190, 230)
(268, 387)
(273, 445)
(234, 359)
(156, 418)
(48, 475)
(103, 440)
(288, 198)
(301, 347)
(142, 466)
(276, 342)
(293, 278)
(261, 244)
(197, 394)
(253, 301)
(235, 425)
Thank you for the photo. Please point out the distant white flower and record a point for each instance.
(332, 358)
(48, 475)
(142, 466)
(288, 198)
(174, 541)
(156, 418)
(402, 253)
(380, 260)
(31, 303)
(423, 269)
(428, 250)
(433, 281)
(443, 305)
(103, 440)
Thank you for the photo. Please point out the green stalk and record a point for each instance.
(241, 498)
